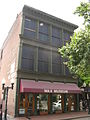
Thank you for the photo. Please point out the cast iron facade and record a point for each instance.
(31, 51)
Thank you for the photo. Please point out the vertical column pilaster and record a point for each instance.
(35, 107)
(37, 30)
(17, 97)
(19, 56)
(22, 26)
(51, 101)
(36, 60)
(63, 66)
(50, 57)
(77, 102)
(65, 101)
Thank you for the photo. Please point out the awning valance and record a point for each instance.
(47, 87)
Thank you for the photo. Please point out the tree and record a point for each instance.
(77, 52)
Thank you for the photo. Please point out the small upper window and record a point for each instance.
(56, 32)
(30, 28)
(43, 28)
(30, 24)
(67, 35)
(56, 37)
(43, 32)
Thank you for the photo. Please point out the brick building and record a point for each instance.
(29, 56)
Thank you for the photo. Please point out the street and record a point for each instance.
(85, 118)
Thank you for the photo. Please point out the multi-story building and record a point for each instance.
(29, 56)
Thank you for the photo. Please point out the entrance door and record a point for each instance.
(25, 104)
(29, 104)
(70, 103)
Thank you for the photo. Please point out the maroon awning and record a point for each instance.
(47, 87)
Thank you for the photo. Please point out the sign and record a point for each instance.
(55, 91)
(21, 111)
(60, 91)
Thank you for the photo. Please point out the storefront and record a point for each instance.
(37, 98)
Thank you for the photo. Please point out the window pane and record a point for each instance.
(43, 55)
(56, 32)
(42, 66)
(67, 71)
(56, 42)
(56, 102)
(43, 28)
(42, 102)
(31, 24)
(56, 63)
(56, 58)
(43, 37)
(43, 60)
(28, 57)
(28, 52)
(27, 64)
(66, 35)
(29, 34)
(56, 68)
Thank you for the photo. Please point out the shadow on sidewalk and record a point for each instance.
(63, 116)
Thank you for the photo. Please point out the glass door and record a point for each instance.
(26, 104)
(21, 104)
(29, 104)
(70, 102)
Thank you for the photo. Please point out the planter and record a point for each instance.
(57, 112)
(43, 112)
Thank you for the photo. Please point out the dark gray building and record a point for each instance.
(43, 84)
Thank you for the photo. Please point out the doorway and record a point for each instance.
(70, 102)
(26, 104)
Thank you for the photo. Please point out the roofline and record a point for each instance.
(49, 15)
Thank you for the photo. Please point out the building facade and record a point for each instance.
(29, 56)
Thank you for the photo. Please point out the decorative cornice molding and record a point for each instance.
(31, 12)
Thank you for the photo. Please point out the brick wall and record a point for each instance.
(9, 61)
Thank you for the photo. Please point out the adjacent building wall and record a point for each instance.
(9, 61)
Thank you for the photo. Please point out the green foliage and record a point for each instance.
(84, 11)
(77, 52)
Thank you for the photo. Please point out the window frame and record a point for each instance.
(30, 29)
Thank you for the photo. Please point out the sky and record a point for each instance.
(62, 9)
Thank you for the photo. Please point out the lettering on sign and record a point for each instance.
(48, 91)
(55, 91)
(60, 91)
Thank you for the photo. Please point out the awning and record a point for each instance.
(47, 87)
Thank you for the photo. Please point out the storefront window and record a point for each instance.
(70, 103)
(22, 104)
(57, 105)
(42, 102)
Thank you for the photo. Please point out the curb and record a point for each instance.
(75, 117)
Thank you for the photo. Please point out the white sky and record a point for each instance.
(60, 8)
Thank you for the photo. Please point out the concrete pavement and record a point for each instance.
(62, 116)
(87, 118)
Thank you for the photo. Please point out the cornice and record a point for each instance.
(31, 12)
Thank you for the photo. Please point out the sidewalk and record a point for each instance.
(63, 116)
